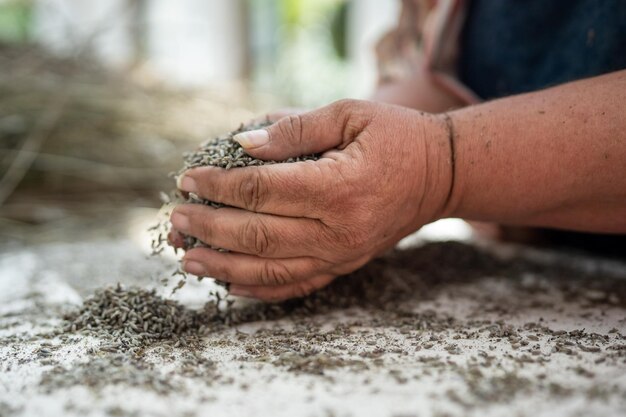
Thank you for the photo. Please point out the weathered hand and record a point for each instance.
(292, 228)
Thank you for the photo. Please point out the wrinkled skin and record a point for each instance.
(292, 228)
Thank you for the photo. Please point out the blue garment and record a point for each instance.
(515, 46)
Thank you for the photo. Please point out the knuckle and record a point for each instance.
(252, 191)
(355, 115)
(290, 128)
(347, 108)
(256, 237)
(276, 273)
(345, 104)
(355, 241)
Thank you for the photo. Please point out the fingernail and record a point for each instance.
(239, 291)
(186, 183)
(194, 268)
(252, 139)
(180, 222)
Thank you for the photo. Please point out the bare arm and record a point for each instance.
(416, 92)
(554, 158)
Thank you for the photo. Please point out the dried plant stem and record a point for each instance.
(29, 150)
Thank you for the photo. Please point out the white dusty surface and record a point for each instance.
(409, 371)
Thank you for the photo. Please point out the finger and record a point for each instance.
(176, 239)
(283, 292)
(283, 189)
(250, 233)
(241, 269)
(329, 127)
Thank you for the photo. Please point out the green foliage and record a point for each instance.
(310, 67)
(298, 13)
(291, 14)
(15, 20)
(339, 30)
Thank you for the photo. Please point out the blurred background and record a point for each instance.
(98, 99)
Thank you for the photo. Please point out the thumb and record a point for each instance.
(332, 126)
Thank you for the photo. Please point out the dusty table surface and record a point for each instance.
(460, 331)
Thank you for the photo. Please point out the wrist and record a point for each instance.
(471, 161)
(441, 163)
(448, 209)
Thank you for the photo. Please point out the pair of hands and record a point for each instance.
(292, 228)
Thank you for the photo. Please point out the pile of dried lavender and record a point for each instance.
(133, 318)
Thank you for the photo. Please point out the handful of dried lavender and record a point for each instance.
(225, 153)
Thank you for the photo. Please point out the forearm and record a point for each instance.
(553, 158)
